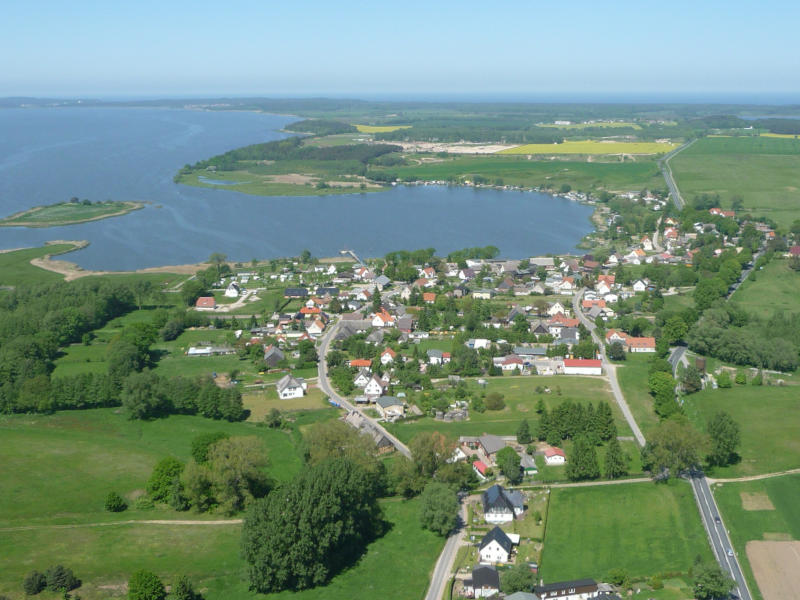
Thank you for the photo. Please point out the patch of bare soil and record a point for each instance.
(776, 566)
(756, 501)
(292, 178)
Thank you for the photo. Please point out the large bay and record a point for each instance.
(51, 154)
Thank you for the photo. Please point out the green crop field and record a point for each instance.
(68, 213)
(593, 147)
(518, 170)
(773, 289)
(762, 170)
(380, 128)
(644, 528)
(778, 519)
(769, 418)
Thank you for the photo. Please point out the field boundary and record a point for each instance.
(129, 522)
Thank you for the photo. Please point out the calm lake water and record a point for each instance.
(50, 155)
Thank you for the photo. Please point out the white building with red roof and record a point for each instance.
(583, 366)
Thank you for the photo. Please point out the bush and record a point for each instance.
(144, 503)
(757, 380)
(202, 442)
(724, 380)
(61, 579)
(34, 583)
(656, 583)
(741, 378)
(115, 502)
(619, 578)
(165, 472)
(144, 585)
(494, 401)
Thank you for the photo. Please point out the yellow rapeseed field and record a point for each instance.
(380, 128)
(593, 147)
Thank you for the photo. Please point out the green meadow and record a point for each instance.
(774, 288)
(68, 213)
(762, 170)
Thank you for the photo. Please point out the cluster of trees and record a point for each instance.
(569, 420)
(322, 127)
(146, 585)
(482, 252)
(293, 149)
(307, 530)
(730, 334)
(505, 128)
(56, 579)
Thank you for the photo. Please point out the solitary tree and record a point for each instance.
(115, 502)
(725, 439)
(145, 585)
(711, 583)
(439, 510)
(508, 461)
(518, 578)
(616, 351)
(673, 446)
(691, 380)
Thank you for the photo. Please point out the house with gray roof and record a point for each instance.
(501, 505)
(390, 407)
(496, 547)
(291, 387)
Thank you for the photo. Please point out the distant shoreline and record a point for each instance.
(16, 220)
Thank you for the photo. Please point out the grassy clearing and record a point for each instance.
(643, 528)
(16, 267)
(105, 557)
(258, 184)
(260, 403)
(632, 376)
(67, 213)
(380, 128)
(744, 525)
(774, 289)
(769, 418)
(762, 170)
(593, 147)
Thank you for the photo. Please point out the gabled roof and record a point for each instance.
(498, 498)
(491, 443)
(485, 577)
(387, 401)
(582, 362)
(499, 536)
(565, 585)
(287, 381)
(205, 302)
(390, 352)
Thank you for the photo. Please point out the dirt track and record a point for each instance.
(776, 566)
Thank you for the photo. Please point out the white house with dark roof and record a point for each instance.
(496, 546)
(291, 387)
(484, 582)
(501, 505)
(374, 387)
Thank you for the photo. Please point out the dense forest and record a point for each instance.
(321, 127)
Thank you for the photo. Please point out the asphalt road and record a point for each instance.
(444, 566)
(325, 385)
(718, 535)
(667, 172)
(609, 369)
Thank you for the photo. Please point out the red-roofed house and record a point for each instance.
(722, 213)
(428, 297)
(480, 469)
(383, 319)
(641, 344)
(388, 356)
(582, 366)
(205, 303)
(360, 362)
(308, 312)
(554, 456)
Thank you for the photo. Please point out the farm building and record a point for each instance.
(582, 366)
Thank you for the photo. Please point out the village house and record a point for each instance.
(383, 319)
(640, 285)
(641, 344)
(582, 366)
(233, 290)
(291, 387)
(554, 456)
(501, 505)
(374, 388)
(388, 356)
(428, 297)
(272, 356)
(437, 357)
(496, 546)
(390, 407)
(360, 362)
(484, 583)
(298, 292)
(481, 469)
(578, 589)
(362, 378)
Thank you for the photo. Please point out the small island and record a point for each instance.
(72, 212)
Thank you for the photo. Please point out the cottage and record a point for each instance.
(640, 285)
(291, 387)
(555, 308)
(481, 470)
(233, 290)
(501, 505)
(485, 582)
(528, 465)
(477, 343)
(582, 366)
(272, 356)
(483, 294)
(374, 387)
(641, 344)
(383, 319)
(437, 357)
(298, 292)
(360, 362)
(554, 456)
(496, 547)
(428, 297)
(363, 377)
(579, 589)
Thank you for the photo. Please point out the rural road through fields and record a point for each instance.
(325, 385)
(718, 535)
(609, 369)
(667, 172)
(444, 566)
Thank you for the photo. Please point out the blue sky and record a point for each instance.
(519, 48)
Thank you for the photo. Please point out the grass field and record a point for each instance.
(632, 376)
(781, 522)
(593, 147)
(644, 528)
(769, 418)
(57, 469)
(762, 170)
(774, 289)
(67, 213)
(518, 170)
(16, 268)
(258, 184)
(380, 128)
